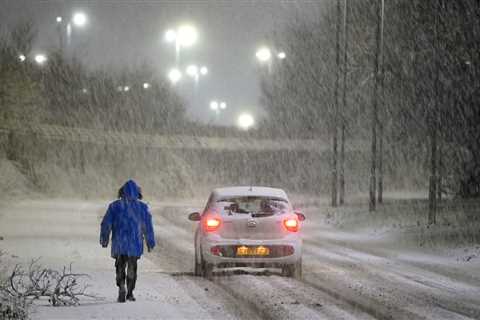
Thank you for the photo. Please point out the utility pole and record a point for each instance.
(344, 106)
(374, 115)
(336, 112)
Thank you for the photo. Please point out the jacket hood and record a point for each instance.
(130, 191)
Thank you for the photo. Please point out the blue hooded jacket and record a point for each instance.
(130, 222)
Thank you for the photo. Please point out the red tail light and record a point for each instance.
(212, 224)
(291, 224)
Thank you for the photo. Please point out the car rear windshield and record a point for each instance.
(253, 205)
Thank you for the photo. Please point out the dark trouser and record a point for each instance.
(121, 262)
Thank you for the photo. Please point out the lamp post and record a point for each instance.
(195, 72)
(174, 75)
(264, 55)
(79, 20)
(217, 107)
(182, 37)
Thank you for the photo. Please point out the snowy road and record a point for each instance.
(346, 276)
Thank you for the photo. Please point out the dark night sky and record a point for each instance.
(127, 33)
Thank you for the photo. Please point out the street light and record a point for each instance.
(170, 35)
(146, 85)
(174, 75)
(192, 71)
(245, 121)
(186, 36)
(22, 57)
(40, 59)
(263, 54)
(79, 19)
(126, 88)
(281, 55)
(223, 105)
(195, 72)
(214, 105)
(183, 36)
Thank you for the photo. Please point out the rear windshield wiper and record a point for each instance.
(262, 214)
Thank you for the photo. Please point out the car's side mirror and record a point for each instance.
(194, 216)
(301, 216)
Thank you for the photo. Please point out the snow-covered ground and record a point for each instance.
(350, 271)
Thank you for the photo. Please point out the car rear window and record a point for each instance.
(255, 205)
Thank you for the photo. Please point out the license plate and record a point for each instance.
(253, 251)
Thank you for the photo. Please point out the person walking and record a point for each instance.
(130, 222)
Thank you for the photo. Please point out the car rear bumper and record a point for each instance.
(282, 252)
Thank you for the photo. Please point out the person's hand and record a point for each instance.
(104, 244)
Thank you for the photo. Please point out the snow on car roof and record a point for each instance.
(255, 191)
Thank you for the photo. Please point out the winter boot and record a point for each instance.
(130, 296)
(130, 287)
(121, 294)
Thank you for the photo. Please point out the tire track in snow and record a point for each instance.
(246, 293)
(177, 244)
(171, 215)
(386, 287)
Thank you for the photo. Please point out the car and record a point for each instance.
(248, 227)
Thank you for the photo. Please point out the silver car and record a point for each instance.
(248, 227)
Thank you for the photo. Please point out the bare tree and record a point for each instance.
(374, 118)
(344, 106)
(336, 114)
(23, 286)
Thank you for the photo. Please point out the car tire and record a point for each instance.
(293, 270)
(207, 270)
(198, 266)
(202, 268)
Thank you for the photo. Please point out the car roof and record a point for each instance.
(254, 191)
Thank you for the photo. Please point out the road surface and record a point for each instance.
(345, 276)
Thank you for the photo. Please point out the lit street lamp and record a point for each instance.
(217, 107)
(22, 57)
(146, 85)
(195, 72)
(192, 71)
(170, 35)
(174, 75)
(40, 59)
(214, 105)
(79, 19)
(184, 36)
(263, 54)
(245, 121)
